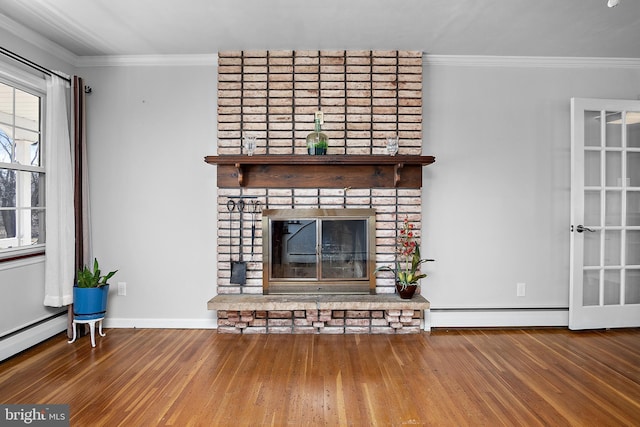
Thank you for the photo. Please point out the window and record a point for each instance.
(22, 181)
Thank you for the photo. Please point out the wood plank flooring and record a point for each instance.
(151, 377)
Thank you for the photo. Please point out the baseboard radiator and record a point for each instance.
(30, 335)
(497, 317)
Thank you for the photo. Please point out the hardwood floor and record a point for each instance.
(149, 377)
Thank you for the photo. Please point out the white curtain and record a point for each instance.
(60, 224)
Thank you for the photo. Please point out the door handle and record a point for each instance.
(581, 228)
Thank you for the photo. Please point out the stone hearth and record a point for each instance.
(321, 314)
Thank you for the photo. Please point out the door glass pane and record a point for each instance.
(613, 169)
(633, 208)
(633, 247)
(293, 249)
(592, 128)
(612, 244)
(611, 287)
(592, 208)
(633, 169)
(591, 168)
(344, 249)
(591, 287)
(591, 248)
(633, 129)
(632, 287)
(613, 208)
(613, 133)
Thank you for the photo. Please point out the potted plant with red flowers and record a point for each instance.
(407, 269)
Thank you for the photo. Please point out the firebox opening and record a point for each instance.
(318, 251)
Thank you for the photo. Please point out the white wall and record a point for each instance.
(497, 199)
(22, 287)
(152, 195)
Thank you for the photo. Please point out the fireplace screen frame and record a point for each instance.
(319, 284)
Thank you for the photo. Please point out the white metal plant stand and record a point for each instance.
(92, 328)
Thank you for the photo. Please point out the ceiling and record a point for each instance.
(551, 28)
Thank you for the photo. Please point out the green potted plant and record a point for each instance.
(407, 269)
(90, 293)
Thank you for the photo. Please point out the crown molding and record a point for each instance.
(430, 60)
(529, 61)
(148, 60)
(38, 40)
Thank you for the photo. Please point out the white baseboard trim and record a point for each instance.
(21, 341)
(496, 318)
(110, 322)
(434, 318)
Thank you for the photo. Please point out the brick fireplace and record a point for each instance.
(366, 96)
(391, 206)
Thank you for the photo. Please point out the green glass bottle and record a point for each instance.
(317, 141)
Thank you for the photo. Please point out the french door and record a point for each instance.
(605, 214)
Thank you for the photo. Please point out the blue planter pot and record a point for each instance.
(90, 303)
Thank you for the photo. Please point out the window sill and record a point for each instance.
(21, 254)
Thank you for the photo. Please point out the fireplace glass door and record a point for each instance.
(318, 251)
(343, 252)
(293, 249)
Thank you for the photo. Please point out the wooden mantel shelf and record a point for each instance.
(330, 171)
